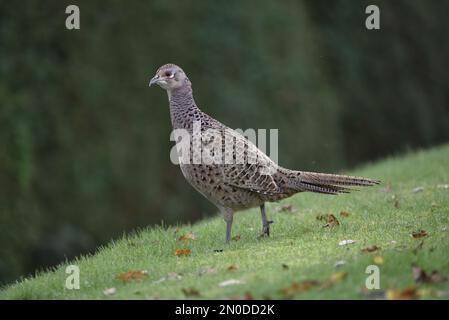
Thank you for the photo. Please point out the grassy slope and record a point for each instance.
(298, 240)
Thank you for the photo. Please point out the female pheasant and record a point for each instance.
(240, 176)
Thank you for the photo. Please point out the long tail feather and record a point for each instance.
(327, 178)
(325, 183)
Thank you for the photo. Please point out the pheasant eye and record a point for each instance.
(169, 74)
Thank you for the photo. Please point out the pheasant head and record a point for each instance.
(170, 77)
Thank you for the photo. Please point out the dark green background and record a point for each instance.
(84, 143)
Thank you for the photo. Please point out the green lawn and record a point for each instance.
(413, 196)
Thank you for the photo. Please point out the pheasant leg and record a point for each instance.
(265, 223)
(228, 217)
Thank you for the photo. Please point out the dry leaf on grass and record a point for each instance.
(337, 276)
(346, 242)
(190, 292)
(231, 268)
(230, 282)
(298, 287)
(370, 249)
(417, 189)
(306, 285)
(379, 260)
(419, 234)
(345, 214)
(236, 238)
(132, 275)
(409, 293)
(331, 221)
(339, 264)
(188, 236)
(285, 208)
(333, 279)
(434, 278)
(109, 291)
(182, 252)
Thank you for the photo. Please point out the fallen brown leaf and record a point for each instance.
(306, 285)
(231, 268)
(421, 276)
(331, 221)
(338, 276)
(334, 278)
(132, 275)
(371, 249)
(236, 238)
(419, 234)
(345, 214)
(409, 293)
(182, 252)
(188, 236)
(190, 292)
(298, 287)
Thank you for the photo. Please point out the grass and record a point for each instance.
(299, 248)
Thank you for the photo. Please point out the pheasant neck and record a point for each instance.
(183, 109)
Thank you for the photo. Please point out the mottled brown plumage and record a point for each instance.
(252, 178)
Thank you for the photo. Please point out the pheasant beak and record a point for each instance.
(154, 80)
